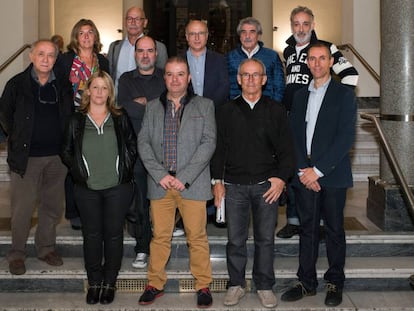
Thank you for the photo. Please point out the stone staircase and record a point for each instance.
(366, 150)
(376, 262)
(377, 268)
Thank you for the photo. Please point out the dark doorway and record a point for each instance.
(167, 20)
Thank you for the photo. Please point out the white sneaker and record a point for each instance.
(178, 232)
(140, 261)
(233, 295)
(268, 298)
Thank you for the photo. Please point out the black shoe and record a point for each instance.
(411, 280)
(204, 299)
(297, 292)
(333, 295)
(149, 295)
(288, 231)
(92, 297)
(108, 294)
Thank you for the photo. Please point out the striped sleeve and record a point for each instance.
(343, 68)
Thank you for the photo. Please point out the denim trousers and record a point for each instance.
(103, 214)
(329, 202)
(241, 201)
(291, 208)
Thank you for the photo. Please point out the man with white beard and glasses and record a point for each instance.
(298, 75)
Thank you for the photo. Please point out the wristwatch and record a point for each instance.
(216, 181)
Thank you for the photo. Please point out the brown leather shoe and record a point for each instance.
(52, 259)
(17, 267)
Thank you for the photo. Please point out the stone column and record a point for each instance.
(397, 84)
(385, 204)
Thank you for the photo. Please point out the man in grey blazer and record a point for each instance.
(176, 142)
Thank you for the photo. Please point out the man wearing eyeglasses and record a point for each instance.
(121, 53)
(209, 76)
(250, 31)
(33, 109)
(251, 164)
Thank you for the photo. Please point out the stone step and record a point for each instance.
(352, 301)
(362, 273)
(358, 245)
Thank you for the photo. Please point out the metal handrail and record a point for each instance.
(371, 70)
(393, 162)
(14, 56)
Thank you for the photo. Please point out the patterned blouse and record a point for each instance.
(79, 74)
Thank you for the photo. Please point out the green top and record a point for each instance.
(100, 154)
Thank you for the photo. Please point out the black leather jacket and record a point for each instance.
(72, 147)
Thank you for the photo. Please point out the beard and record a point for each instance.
(146, 66)
(302, 37)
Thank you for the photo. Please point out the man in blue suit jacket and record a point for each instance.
(208, 69)
(323, 120)
(209, 76)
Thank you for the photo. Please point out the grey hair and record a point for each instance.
(251, 21)
(35, 44)
(300, 9)
(255, 60)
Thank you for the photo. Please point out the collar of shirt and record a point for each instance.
(251, 103)
(36, 77)
(311, 87)
(300, 48)
(254, 51)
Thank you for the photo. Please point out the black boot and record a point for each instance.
(108, 294)
(92, 297)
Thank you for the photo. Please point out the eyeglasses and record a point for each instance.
(130, 19)
(254, 75)
(46, 96)
(196, 34)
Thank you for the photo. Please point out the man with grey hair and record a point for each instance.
(252, 131)
(33, 109)
(249, 31)
(298, 75)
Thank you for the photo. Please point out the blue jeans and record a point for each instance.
(329, 203)
(103, 214)
(240, 200)
(292, 216)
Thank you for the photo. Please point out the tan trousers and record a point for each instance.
(163, 219)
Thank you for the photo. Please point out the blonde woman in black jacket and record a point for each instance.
(100, 149)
